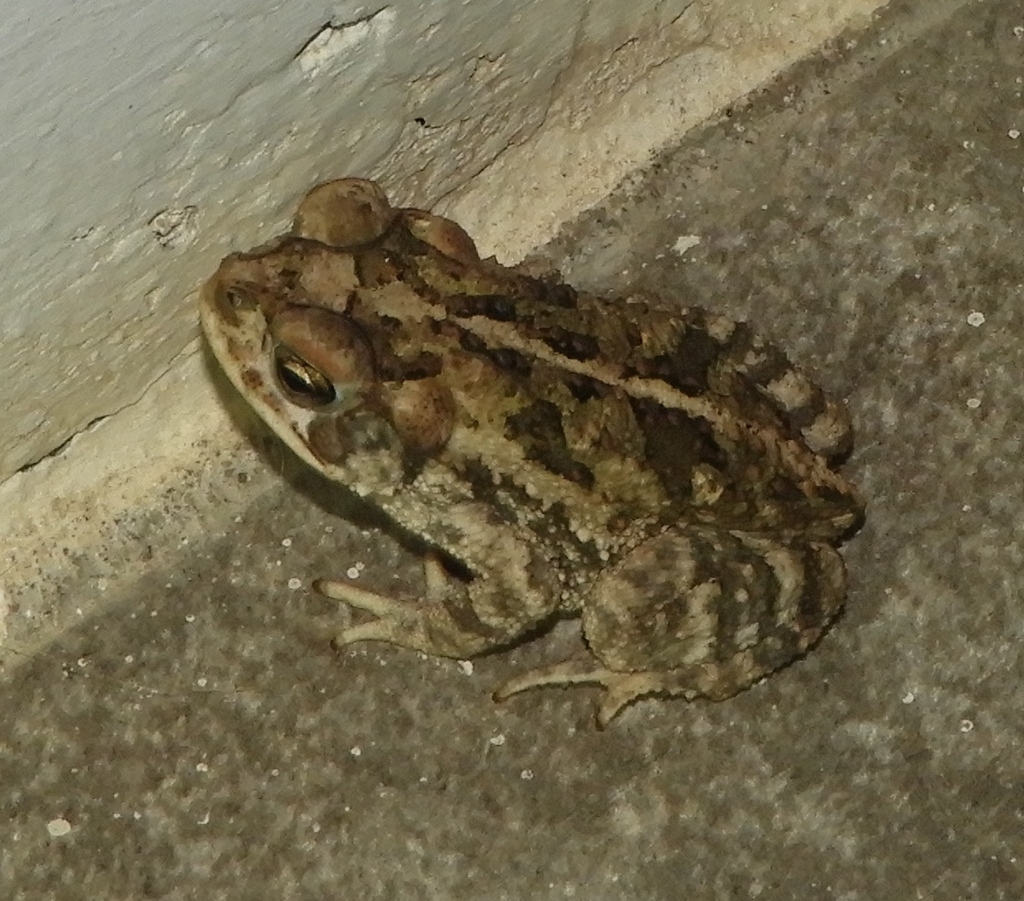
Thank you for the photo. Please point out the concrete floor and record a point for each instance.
(201, 740)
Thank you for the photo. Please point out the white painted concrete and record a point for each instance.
(142, 140)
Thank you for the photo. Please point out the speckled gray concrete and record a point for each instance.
(201, 740)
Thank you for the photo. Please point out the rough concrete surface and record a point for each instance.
(202, 740)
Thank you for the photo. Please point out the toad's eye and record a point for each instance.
(321, 358)
(303, 383)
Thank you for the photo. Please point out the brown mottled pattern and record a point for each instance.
(538, 428)
(676, 348)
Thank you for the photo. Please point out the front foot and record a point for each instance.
(425, 625)
(392, 619)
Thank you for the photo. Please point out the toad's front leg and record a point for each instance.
(699, 612)
(513, 589)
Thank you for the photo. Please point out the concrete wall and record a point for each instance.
(142, 140)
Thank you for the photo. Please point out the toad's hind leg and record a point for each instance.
(699, 612)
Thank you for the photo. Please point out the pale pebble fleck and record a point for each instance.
(685, 242)
(58, 827)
